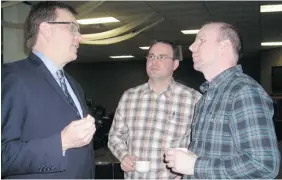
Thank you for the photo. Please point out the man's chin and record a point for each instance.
(74, 57)
(197, 68)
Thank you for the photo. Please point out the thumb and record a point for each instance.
(134, 158)
(89, 117)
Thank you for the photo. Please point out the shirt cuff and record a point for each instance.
(122, 154)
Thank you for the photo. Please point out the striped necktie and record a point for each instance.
(61, 76)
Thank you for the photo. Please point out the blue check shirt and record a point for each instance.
(233, 132)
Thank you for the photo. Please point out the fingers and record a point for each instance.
(169, 155)
(89, 135)
(90, 118)
(78, 133)
(127, 168)
(123, 167)
(170, 164)
(89, 129)
(85, 123)
(170, 158)
(134, 158)
(128, 163)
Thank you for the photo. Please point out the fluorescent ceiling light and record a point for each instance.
(145, 47)
(101, 20)
(271, 8)
(271, 44)
(194, 31)
(123, 56)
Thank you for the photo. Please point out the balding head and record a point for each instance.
(228, 32)
(215, 49)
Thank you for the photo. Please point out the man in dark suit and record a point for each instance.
(46, 132)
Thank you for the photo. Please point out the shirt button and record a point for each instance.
(208, 98)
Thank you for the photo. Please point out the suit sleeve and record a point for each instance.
(19, 156)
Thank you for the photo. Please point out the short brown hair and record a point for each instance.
(176, 50)
(41, 12)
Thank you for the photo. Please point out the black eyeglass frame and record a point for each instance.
(66, 22)
(158, 57)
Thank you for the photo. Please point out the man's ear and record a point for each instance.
(225, 44)
(45, 30)
(175, 64)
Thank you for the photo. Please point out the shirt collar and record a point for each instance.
(221, 78)
(146, 89)
(48, 63)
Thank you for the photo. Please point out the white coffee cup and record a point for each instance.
(142, 166)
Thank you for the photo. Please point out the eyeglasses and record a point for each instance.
(159, 57)
(74, 27)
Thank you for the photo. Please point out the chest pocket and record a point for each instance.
(177, 125)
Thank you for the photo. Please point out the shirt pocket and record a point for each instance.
(177, 125)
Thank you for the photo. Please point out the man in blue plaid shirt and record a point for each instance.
(232, 132)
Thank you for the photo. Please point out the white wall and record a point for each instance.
(13, 39)
(269, 58)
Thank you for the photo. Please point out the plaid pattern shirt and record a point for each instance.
(147, 124)
(232, 131)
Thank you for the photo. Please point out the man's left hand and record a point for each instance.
(180, 161)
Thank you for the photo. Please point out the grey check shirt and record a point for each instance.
(232, 131)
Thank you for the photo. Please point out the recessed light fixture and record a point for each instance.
(271, 8)
(145, 47)
(271, 44)
(101, 20)
(122, 57)
(193, 31)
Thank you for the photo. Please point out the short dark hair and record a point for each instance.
(41, 12)
(174, 47)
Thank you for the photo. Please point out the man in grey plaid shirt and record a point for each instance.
(232, 132)
(154, 116)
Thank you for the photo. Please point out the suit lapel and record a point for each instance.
(43, 71)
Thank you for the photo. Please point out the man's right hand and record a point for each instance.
(128, 163)
(78, 133)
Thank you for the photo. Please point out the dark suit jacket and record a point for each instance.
(34, 112)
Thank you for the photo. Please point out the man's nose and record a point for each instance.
(192, 47)
(78, 36)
